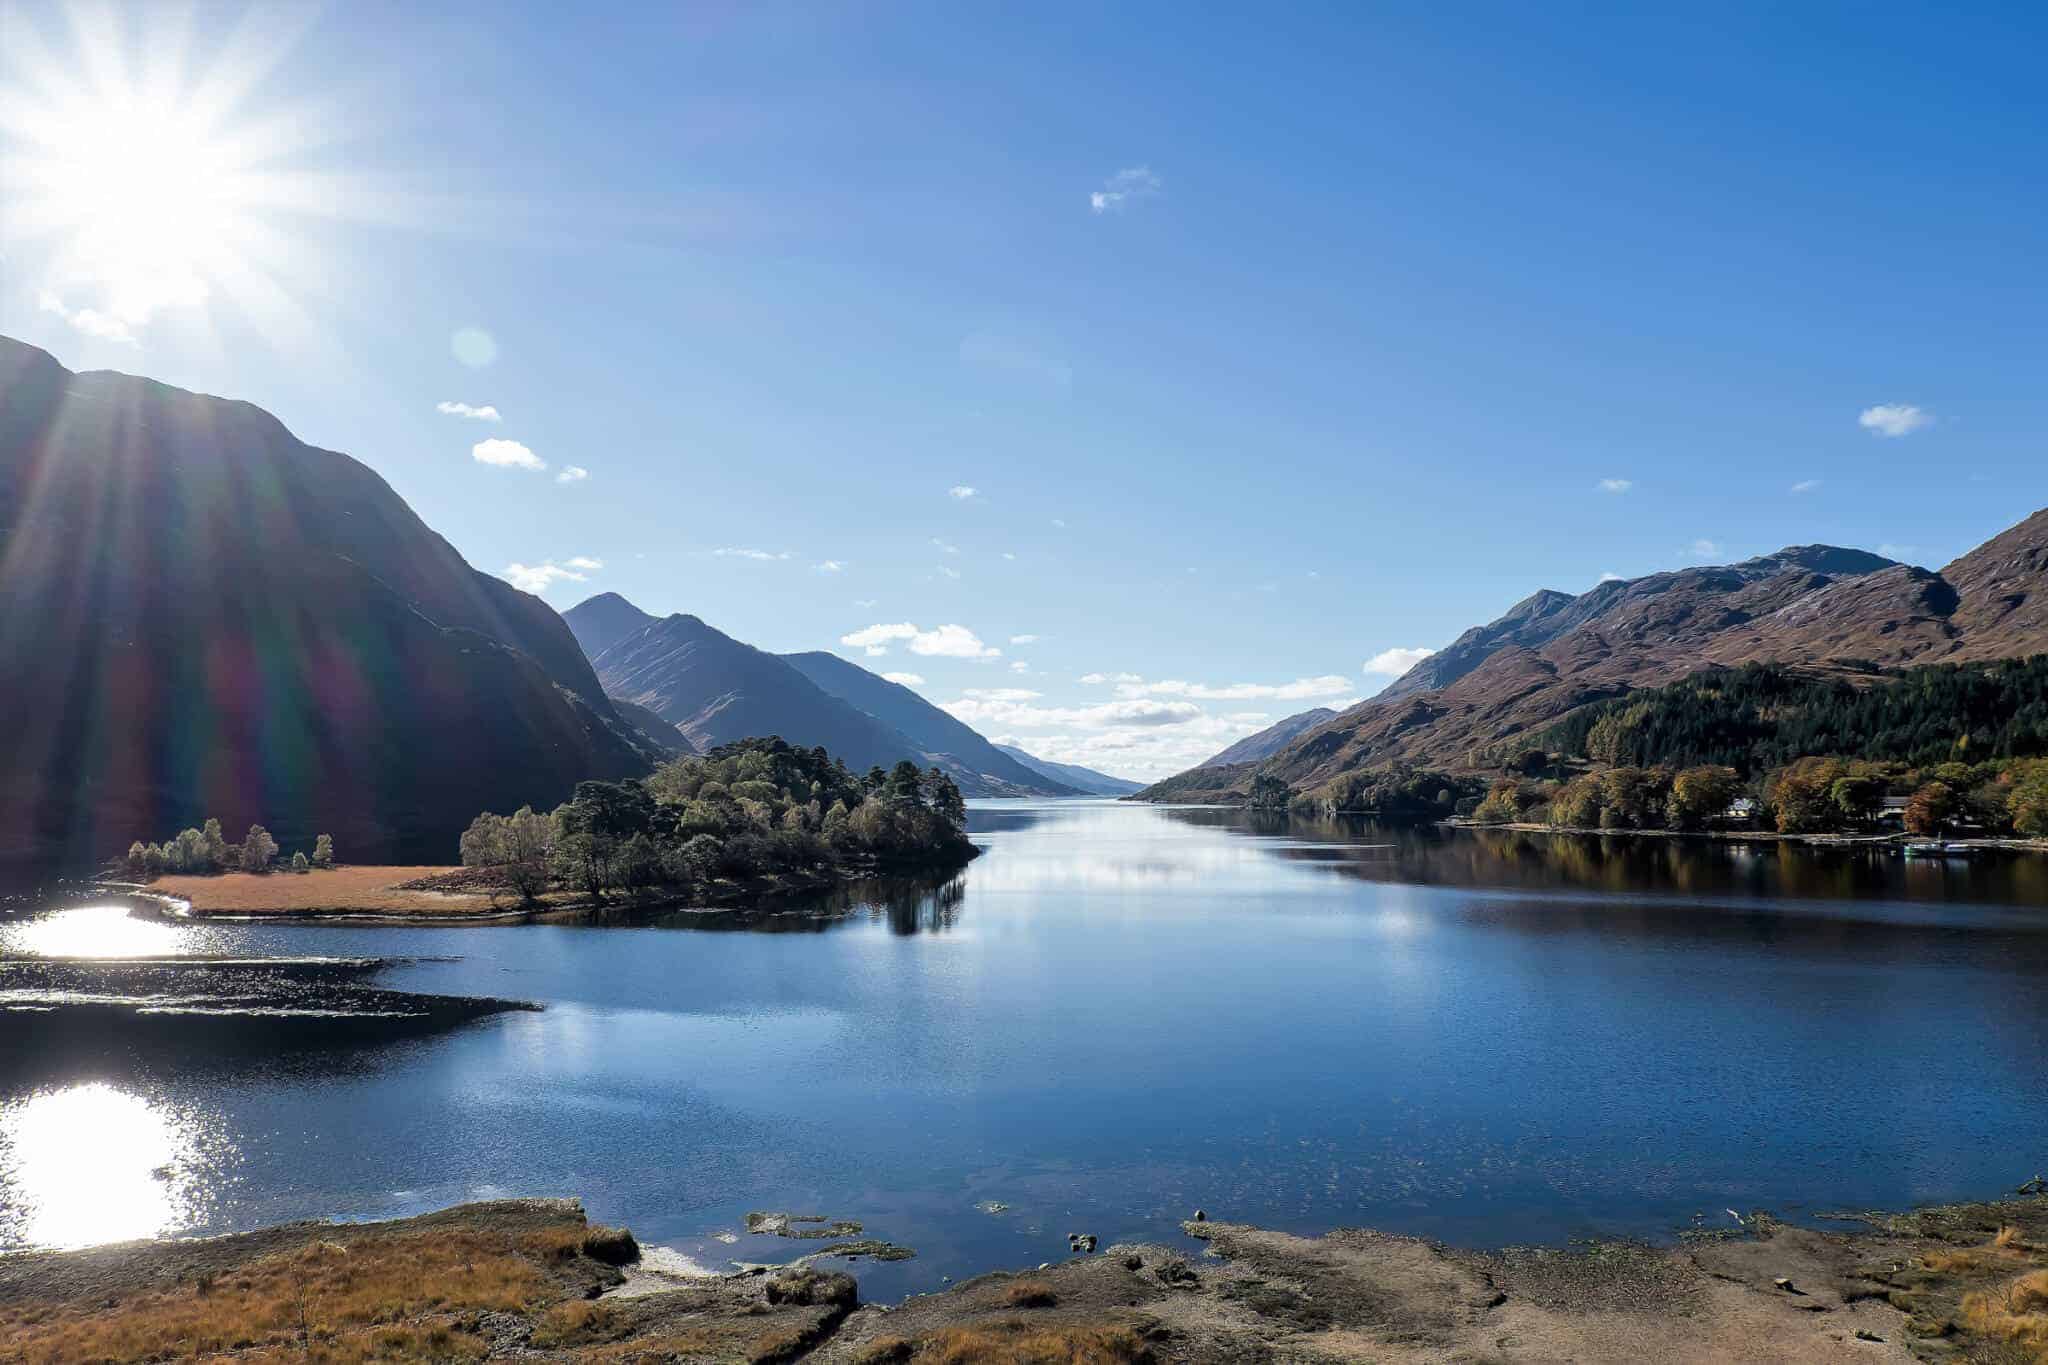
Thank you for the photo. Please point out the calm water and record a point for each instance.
(1115, 1016)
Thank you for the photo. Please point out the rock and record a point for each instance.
(814, 1287)
(1134, 1262)
(2035, 1186)
(1864, 1334)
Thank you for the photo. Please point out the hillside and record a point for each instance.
(1828, 608)
(932, 730)
(1087, 781)
(1270, 740)
(715, 689)
(206, 616)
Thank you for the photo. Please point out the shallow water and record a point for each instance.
(1118, 1014)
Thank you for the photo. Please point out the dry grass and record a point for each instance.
(1030, 1294)
(356, 890)
(1019, 1343)
(2000, 1253)
(362, 1298)
(2015, 1316)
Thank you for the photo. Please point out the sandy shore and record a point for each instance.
(532, 1280)
(374, 892)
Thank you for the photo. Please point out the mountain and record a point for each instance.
(1272, 739)
(204, 615)
(716, 689)
(1084, 780)
(933, 731)
(1830, 609)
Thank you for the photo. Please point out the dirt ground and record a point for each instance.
(350, 890)
(532, 1281)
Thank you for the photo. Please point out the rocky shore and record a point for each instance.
(533, 1280)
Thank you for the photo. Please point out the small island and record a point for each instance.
(750, 821)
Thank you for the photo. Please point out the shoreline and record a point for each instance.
(534, 1279)
(1758, 836)
(379, 895)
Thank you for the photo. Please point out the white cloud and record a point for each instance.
(1008, 555)
(506, 455)
(1611, 577)
(1806, 485)
(1097, 678)
(831, 566)
(1894, 419)
(485, 413)
(572, 473)
(1394, 662)
(1023, 639)
(944, 547)
(1059, 523)
(1144, 713)
(944, 642)
(949, 571)
(1616, 485)
(864, 603)
(741, 552)
(962, 492)
(540, 577)
(474, 347)
(1329, 685)
(1019, 666)
(1002, 694)
(1704, 548)
(1900, 552)
(1128, 186)
(91, 321)
(905, 679)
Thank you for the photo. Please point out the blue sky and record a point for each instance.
(1385, 315)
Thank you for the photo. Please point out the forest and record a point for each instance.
(749, 810)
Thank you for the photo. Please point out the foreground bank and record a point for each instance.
(534, 1280)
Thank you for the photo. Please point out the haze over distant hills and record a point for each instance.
(1082, 779)
(205, 616)
(715, 689)
(1272, 739)
(1821, 606)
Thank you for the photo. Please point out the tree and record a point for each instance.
(1699, 794)
(2028, 804)
(1633, 798)
(1577, 804)
(1270, 792)
(300, 863)
(1802, 796)
(257, 850)
(904, 784)
(1502, 804)
(1930, 808)
(216, 845)
(1857, 796)
(136, 851)
(323, 851)
(152, 862)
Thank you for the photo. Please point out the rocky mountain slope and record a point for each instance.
(715, 689)
(1816, 605)
(204, 616)
(1084, 780)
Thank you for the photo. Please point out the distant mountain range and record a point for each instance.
(203, 615)
(1082, 779)
(1270, 740)
(714, 689)
(1819, 606)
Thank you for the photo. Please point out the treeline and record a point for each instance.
(747, 810)
(1762, 717)
(206, 851)
(1398, 791)
(1806, 796)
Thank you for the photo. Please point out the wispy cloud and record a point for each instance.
(1806, 485)
(1394, 662)
(572, 473)
(90, 321)
(945, 547)
(866, 603)
(1059, 523)
(1704, 548)
(945, 642)
(1001, 694)
(506, 455)
(1301, 689)
(1138, 712)
(1023, 639)
(1019, 666)
(483, 413)
(1611, 577)
(962, 492)
(544, 575)
(1132, 185)
(1616, 485)
(904, 679)
(831, 566)
(741, 552)
(1095, 679)
(948, 571)
(1894, 419)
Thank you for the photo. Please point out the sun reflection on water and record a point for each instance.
(90, 931)
(91, 1163)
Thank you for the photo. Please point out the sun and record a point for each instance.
(144, 183)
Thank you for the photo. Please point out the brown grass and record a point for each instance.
(375, 1297)
(2015, 1315)
(1019, 1343)
(1030, 1294)
(2000, 1253)
(355, 890)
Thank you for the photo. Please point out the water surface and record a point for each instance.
(1118, 1014)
